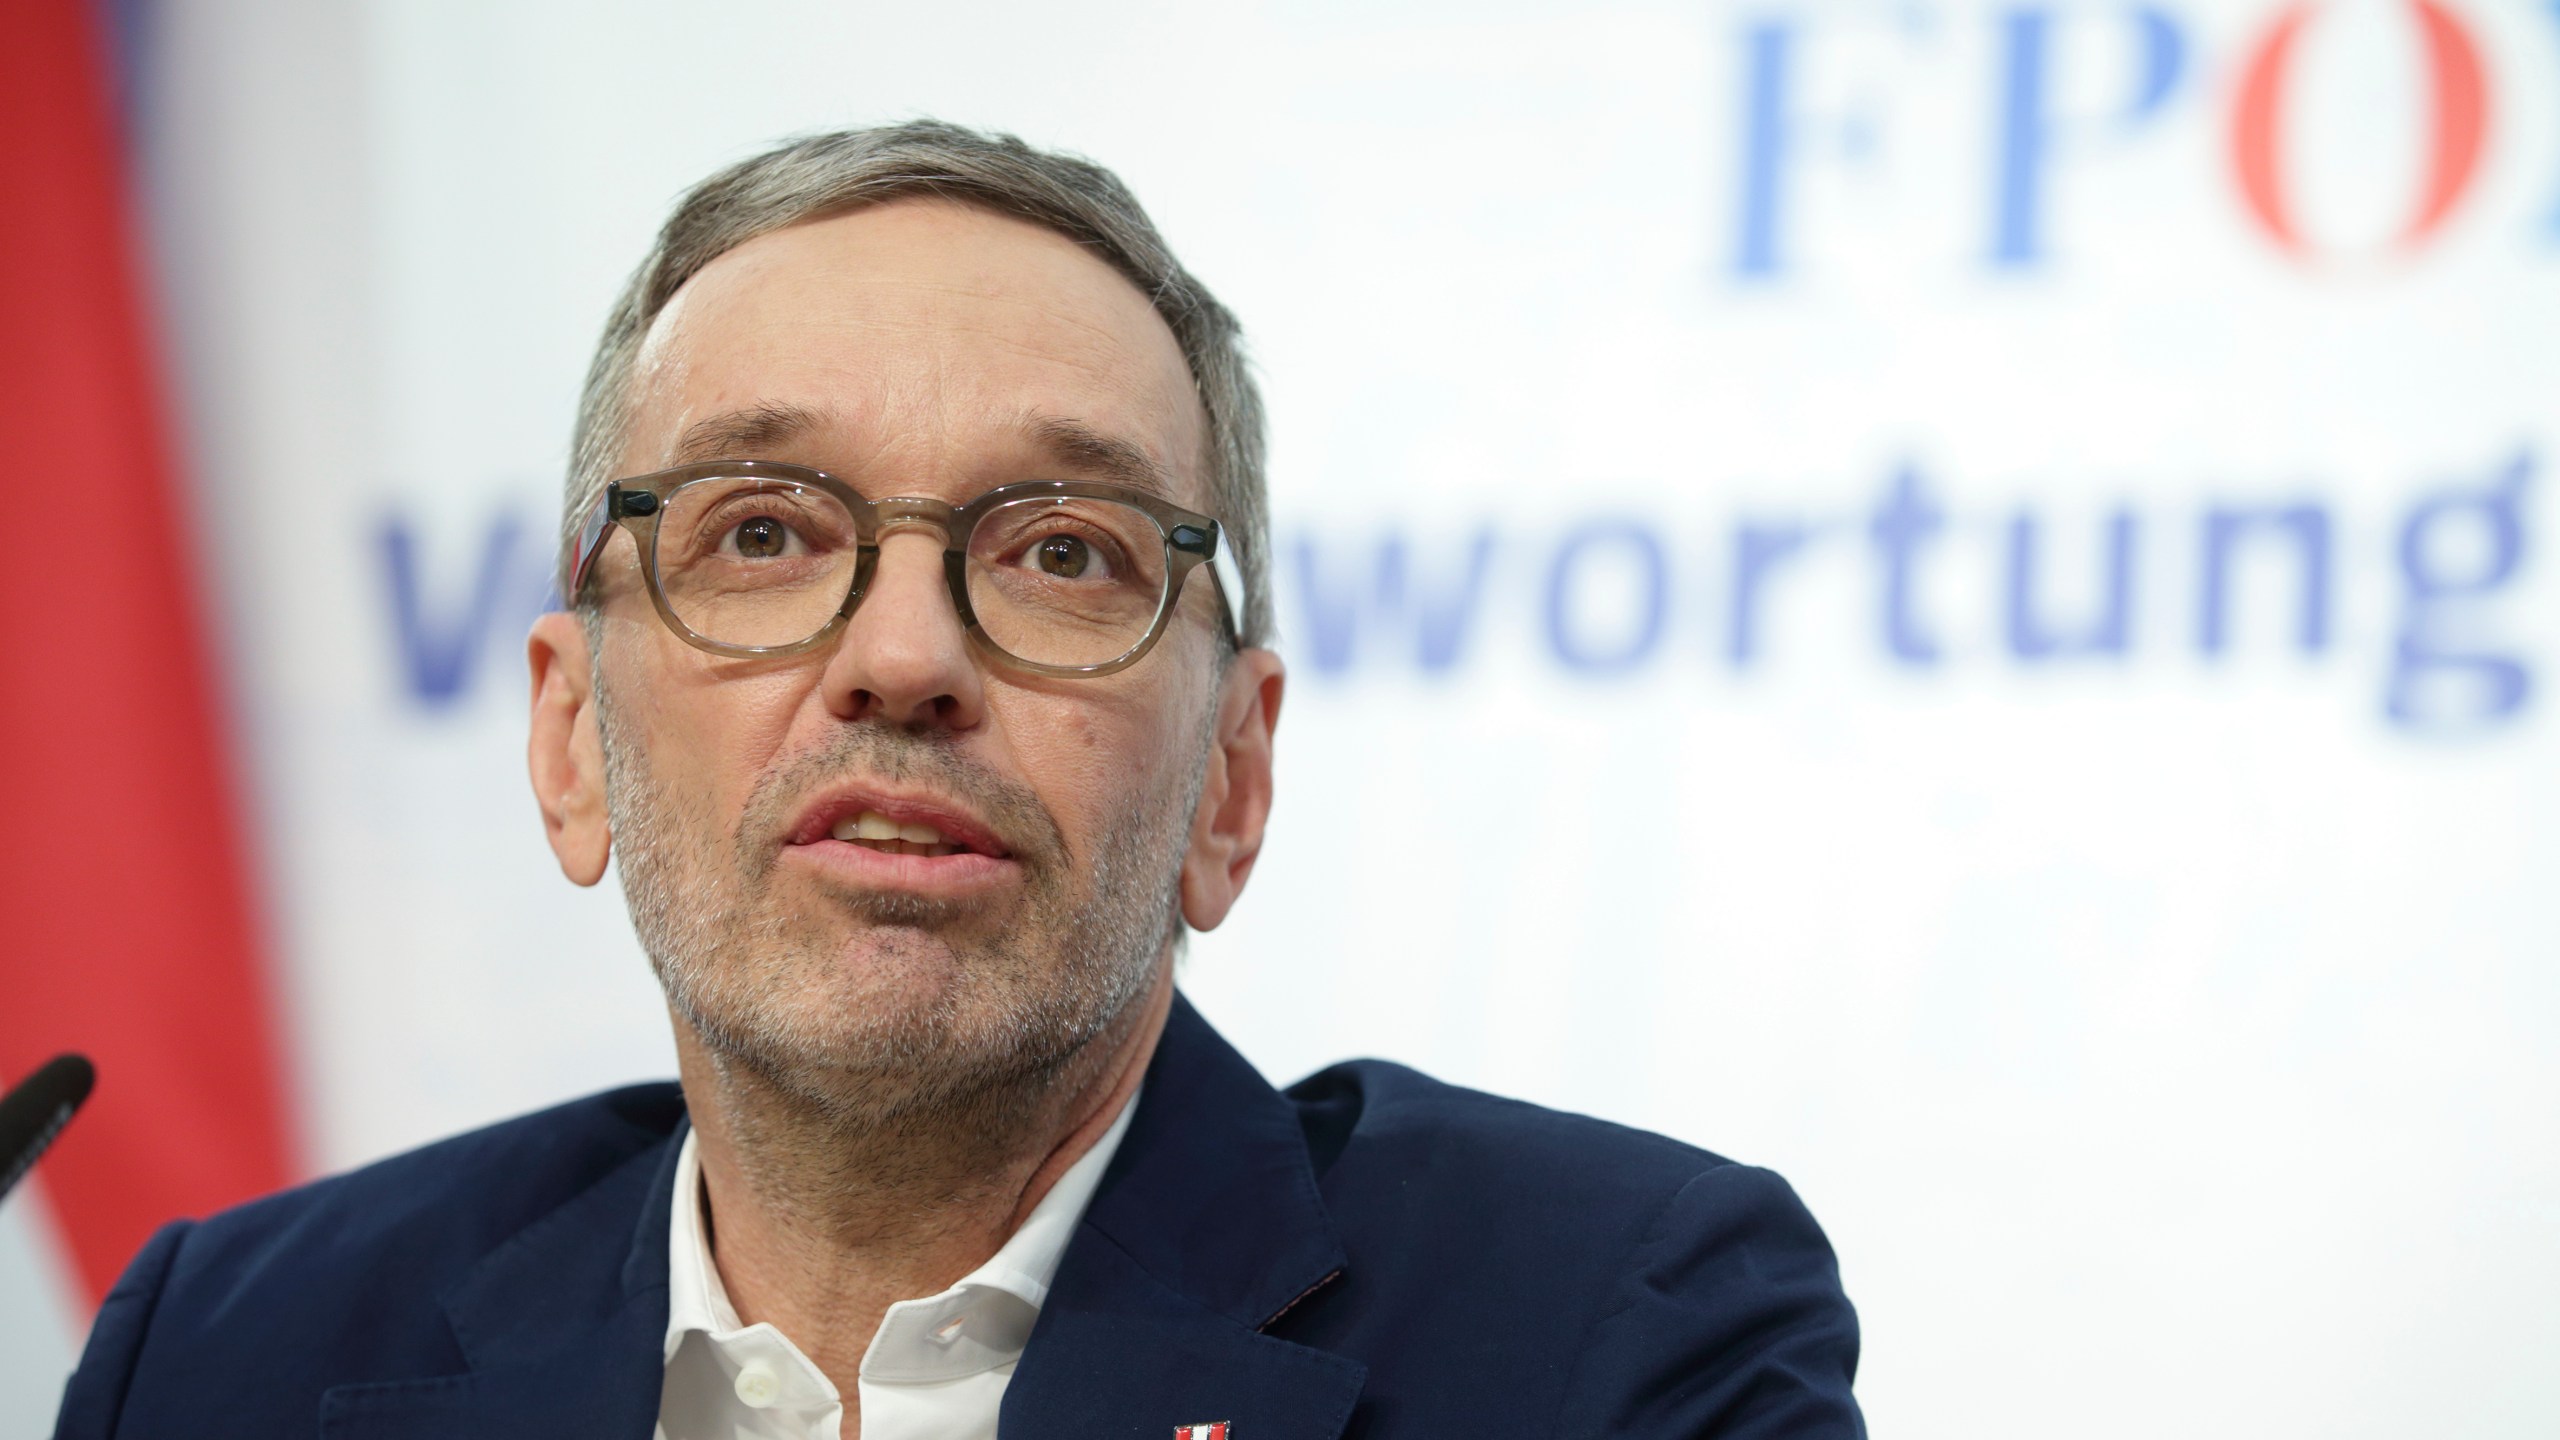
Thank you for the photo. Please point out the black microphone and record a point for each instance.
(34, 1113)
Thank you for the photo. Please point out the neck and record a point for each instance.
(820, 1220)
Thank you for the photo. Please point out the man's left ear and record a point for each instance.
(1235, 795)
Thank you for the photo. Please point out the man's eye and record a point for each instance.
(760, 538)
(1066, 556)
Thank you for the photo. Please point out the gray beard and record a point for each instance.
(767, 985)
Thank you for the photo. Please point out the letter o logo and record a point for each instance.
(2461, 122)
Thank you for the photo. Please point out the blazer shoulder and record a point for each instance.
(1378, 1114)
(1644, 1286)
(391, 1236)
(342, 1280)
(466, 1193)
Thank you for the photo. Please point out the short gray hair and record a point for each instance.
(823, 175)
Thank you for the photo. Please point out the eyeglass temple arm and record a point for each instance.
(1222, 568)
(1209, 545)
(591, 536)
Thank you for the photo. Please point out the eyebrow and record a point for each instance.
(764, 427)
(1068, 443)
(1078, 446)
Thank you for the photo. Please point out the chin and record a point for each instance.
(894, 1006)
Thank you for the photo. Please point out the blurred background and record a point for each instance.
(1953, 598)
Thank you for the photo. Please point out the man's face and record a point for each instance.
(915, 348)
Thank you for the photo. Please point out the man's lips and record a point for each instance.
(958, 875)
(917, 826)
(920, 844)
(869, 838)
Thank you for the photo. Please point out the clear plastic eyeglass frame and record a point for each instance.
(1190, 539)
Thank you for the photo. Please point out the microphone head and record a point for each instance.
(35, 1112)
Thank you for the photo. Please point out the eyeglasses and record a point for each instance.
(1057, 577)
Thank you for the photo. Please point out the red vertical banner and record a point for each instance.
(127, 927)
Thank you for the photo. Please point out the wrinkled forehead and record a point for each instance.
(921, 333)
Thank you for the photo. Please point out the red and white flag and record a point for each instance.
(127, 928)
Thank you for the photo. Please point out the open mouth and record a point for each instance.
(874, 831)
(919, 827)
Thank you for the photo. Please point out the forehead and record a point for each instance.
(932, 338)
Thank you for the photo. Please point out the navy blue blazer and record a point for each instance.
(1372, 1254)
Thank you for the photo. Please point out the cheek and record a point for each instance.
(710, 736)
(1094, 757)
(1075, 755)
(1085, 735)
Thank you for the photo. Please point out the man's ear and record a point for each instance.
(566, 751)
(1235, 795)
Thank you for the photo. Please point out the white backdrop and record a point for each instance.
(1713, 705)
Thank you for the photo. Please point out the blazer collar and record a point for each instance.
(1206, 1228)
(564, 1326)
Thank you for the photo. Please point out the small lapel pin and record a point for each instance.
(1214, 1431)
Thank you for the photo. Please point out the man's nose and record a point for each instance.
(903, 656)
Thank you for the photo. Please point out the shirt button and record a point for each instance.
(757, 1387)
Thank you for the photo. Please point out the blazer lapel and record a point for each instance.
(564, 1327)
(1206, 1228)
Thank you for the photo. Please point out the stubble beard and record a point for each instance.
(887, 1011)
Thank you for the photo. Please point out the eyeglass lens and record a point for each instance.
(1054, 580)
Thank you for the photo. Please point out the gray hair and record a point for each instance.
(824, 175)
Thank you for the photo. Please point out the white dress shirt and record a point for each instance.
(936, 1368)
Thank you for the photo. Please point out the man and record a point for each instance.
(914, 680)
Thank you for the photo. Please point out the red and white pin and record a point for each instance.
(1214, 1431)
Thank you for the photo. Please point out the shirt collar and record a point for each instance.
(981, 1322)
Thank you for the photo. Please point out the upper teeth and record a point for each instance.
(872, 825)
